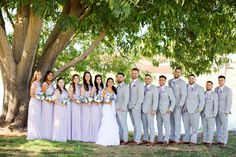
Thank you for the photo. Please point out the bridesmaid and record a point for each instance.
(86, 91)
(35, 106)
(96, 108)
(47, 106)
(61, 115)
(74, 93)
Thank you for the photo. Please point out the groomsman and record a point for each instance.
(209, 114)
(149, 108)
(122, 101)
(179, 88)
(224, 109)
(134, 106)
(166, 105)
(194, 104)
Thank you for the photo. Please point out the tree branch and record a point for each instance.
(8, 16)
(58, 40)
(2, 22)
(20, 32)
(90, 49)
(30, 46)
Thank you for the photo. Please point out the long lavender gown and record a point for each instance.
(47, 114)
(96, 118)
(34, 115)
(86, 119)
(76, 116)
(60, 120)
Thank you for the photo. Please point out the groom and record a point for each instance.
(122, 101)
(136, 99)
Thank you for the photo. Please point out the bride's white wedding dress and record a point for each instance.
(108, 134)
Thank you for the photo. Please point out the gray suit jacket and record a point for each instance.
(122, 98)
(136, 95)
(166, 99)
(224, 99)
(150, 101)
(179, 88)
(211, 104)
(195, 99)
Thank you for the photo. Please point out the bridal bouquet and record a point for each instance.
(50, 97)
(66, 102)
(98, 98)
(40, 96)
(110, 97)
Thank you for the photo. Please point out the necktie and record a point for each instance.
(146, 89)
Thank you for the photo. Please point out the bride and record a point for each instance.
(108, 134)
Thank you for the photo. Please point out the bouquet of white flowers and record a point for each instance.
(66, 102)
(50, 97)
(89, 99)
(98, 98)
(40, 96)
(80, 99)
(110, 97)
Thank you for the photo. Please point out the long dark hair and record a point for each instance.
(113, 87)
(45, 79)
(86, 85)
(96, 84)
(58, 85)
(73, 83)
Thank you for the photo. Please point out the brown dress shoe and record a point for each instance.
(165, 144)
(205, 143)
(192, 144)
(223, 145)
(160, 142)
(123, 143)
(171, 141)
(135, 143)
(150, 144)
(183, 142)
(144, 142)
(131, 141)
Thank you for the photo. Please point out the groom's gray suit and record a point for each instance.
(150, 104)
(224, 109)
(179, 88)
(194, 104)
(122, 101)
(135, 101)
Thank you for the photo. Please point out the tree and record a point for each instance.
(193, 34)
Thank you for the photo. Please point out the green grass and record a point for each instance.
(19, 146)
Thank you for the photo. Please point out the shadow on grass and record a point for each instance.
(19, 146)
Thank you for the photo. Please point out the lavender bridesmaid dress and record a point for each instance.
(47, 114)
(76, 116)
(69, 121)
(96, 118)
(60, 120)
(34, 115)
(86, 119)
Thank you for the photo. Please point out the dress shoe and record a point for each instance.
(192, 144)
(123, 143)
(171, 141)
(160, 142)
(223, 145)
(150, 144)
(135, 143)
(165, 144)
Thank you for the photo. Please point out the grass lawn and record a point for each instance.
(19, 146)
